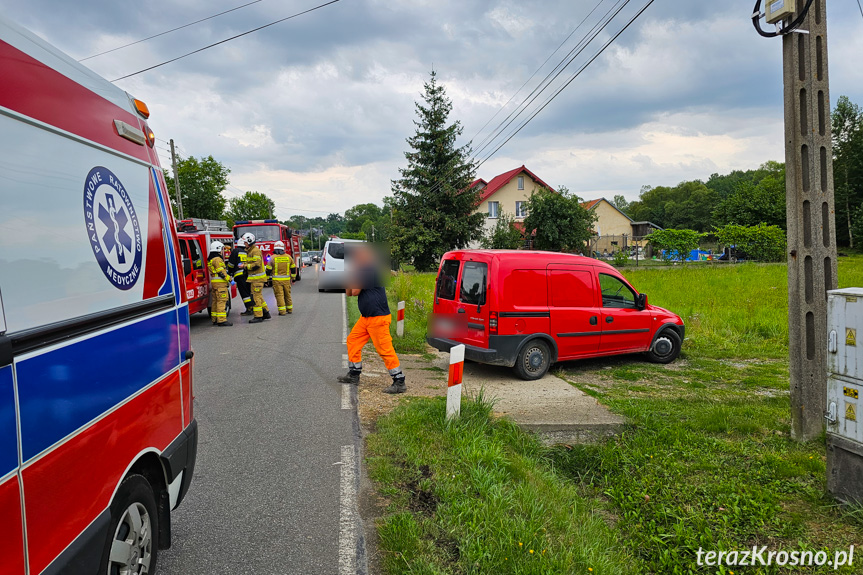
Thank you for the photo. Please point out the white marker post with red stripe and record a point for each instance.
(400, 319)
(456, 373)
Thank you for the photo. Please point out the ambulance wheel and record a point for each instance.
(666, 348)
(132, 546)
(533, 360)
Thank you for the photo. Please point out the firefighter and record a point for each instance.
(256, 275)
(237, 269)
(374, 322)
(219, 282)
(284, 272)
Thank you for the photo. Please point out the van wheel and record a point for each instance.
(320, 290)
(534, 360)
(666, 348)
(132, 546)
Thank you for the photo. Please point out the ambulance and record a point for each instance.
(97, 430)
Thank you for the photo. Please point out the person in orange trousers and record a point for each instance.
(373, 324)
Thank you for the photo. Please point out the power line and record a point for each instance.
(511, 98)
(576, 75)
(859, 5)
(318, 7)
(168, 31)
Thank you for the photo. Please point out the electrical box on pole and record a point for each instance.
(809, 202)
(778, 10)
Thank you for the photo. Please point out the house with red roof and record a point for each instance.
(507, 193)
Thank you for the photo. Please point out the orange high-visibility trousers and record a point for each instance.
(378, 330)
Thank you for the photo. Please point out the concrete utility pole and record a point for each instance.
(176, 181)
(811, 217)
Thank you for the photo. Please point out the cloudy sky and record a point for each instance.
(315, 111)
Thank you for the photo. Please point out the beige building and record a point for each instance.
(614, 230)
(507, 194)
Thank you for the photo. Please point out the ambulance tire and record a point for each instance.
(134, 499)
(665, 348)
(533, 360)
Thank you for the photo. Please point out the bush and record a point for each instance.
(504, 235)
(761, 243)
(675, 245)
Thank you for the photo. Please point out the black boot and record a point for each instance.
(256, 320)
(248, 312)
(267, 314)
(353, 377)
(398, 385)
(224, 324)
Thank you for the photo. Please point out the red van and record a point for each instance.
(529, 309)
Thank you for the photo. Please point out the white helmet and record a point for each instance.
(217, 246)
(241, 243)
(279, 246)
(248, 238)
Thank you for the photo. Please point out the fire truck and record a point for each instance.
(195, 236)
(267, 233)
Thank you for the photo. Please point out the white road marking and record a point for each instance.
(344, 319)
(347, 513)
(346, 396)
(345, 360)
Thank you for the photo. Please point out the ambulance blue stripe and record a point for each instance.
(172, 260)
(63, 389)
(183, 319)
(8, 434)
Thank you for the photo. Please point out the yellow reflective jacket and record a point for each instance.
(218, 273)
(282, 267)
(255, 266)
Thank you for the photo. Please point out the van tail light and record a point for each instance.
(492, 323)
(324, 264)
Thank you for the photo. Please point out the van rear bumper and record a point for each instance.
(502, 349)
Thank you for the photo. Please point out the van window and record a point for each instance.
(572, 288)
(473, 283)
(447, 278)
(615, 293)
(336, 250)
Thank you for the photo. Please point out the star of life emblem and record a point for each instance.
(113, 228)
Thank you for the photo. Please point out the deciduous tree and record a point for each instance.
(201, 184)
(560, 221)
(251, 206)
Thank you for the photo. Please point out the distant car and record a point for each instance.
(332, 272)
(316, 257)
(307, 259)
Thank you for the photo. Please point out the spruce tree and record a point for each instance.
(433, 202)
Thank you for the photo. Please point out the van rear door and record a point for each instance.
(573, 305)
(472, 302)
(625, 328)
(445, 317)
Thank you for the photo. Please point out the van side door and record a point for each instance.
(573, 305)
(625, 328)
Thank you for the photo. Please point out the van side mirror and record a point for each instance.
(641, 301)
(187, 266)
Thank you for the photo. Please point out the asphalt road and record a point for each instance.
(273, 490)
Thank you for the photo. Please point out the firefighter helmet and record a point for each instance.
(217, 246)
(279, 246)
(241, 243)
(248, 238)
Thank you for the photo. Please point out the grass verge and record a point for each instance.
(478, 495)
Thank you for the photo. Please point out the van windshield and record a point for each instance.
(261, 233)
(446, 280)
(473, 281)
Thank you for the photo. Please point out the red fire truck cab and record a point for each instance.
(267, 233)
(195, 236)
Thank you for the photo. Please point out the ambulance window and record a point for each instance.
(615, 293)
(446, 280)
(473, 282)
(195, 255)
(572, 288)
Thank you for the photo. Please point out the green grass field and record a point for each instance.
(706, 459)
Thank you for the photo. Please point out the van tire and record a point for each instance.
(533, 360)
(668, 344)
(135, 497)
